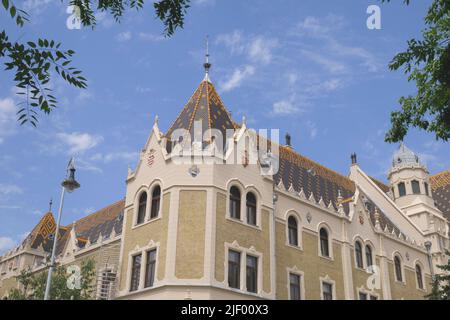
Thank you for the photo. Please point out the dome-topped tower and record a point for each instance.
(409, 178)
(405, 157)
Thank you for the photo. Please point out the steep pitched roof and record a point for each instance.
(206, 106)
(440, 187)
(310, 176)
(40, 233)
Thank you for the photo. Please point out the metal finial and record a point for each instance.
(207, 65)
(50, 205)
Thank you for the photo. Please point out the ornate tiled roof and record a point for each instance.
(40, 233)
(440, 186)
(206, 106)
(310, 176)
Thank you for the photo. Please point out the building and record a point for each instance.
(229, 225)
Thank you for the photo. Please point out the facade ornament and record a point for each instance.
(308, 217)
(377, 219)
(194, 171)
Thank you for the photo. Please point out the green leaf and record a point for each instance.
(5, 4)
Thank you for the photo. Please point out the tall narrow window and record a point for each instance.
(292, 231)
(425, 185)
(358, 255)
(419, 277)
(327, 291)
(252, 274)
(150, 268)
(234, 269)
(135, 272)
(142, 208)
(156, 199)
(324, 245)
(235, 203)
(251, 208)
(294, 286)
(398, 269)
(415, 187)
(369, 258)
(401, 189)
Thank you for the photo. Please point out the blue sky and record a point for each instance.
(310, 68)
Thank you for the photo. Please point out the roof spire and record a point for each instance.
(50, 205)
(207, 65)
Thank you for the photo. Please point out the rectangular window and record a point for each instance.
(135, 272)
(234, 269)
(294, 286)
(426, 189)
(362, 296)
(327, 291)
(415, 186)
(252, 274)
(107, 280)
(150, 268)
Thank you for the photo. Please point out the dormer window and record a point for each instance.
(415, 187)
(401, 189)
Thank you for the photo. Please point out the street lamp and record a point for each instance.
(69, 184)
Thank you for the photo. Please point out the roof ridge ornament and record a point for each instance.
(207, 65)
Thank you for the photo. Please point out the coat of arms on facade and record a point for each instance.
(194, 170)
(361, 219)
(151, 157)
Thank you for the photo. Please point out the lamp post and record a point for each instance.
(430, 262)
(69, 184)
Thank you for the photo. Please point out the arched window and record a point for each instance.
(425, 185)
(324, 246)
(142, 208)
(358, 255)
(156, 200)
(415, 187)
(292, 231)
(251, 208)
(398, 269)
(235, 203)
(369, 258)
(419, 277)
(401, 189)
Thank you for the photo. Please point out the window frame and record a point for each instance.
(359, 259)
(234, 198)
(415, 187)
(368, 248)
(147, 254)
(296, 232)
(138, 209)
(419, 285)
(253, 269)
(323, 284)
(158, 198)
(401, 189)
(253, 206)
(301, 275)
(237, 265)
(398, 270)
(329, 242)
(135, 273)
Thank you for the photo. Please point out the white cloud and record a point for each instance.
(260, 49)
(79, 142)
(233, 41)
(312, 128)
(284, 107)
(123, 36)
(10, 189)
(113, 156)
(8, 118)
(6, 243)
(150, 37)
(236, 78)
(329, 64)
(104, 19)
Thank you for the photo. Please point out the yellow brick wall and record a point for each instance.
(189, 263)
(409, 290)
(229, 231)
(360, 277)
(140, 236)
(308, 261)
